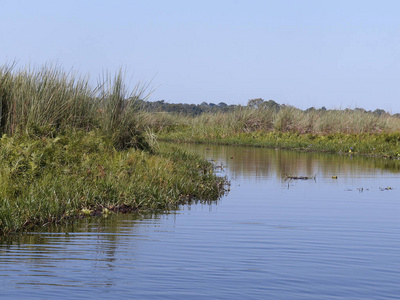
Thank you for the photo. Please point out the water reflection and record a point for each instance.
(79, 255)
(313, 241)
(267, 163)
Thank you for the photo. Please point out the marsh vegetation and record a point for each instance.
(69, 150)
(338, 131)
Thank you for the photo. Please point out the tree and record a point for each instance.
(255, 103)
(310, 109)
(379, 112)
(271, 104)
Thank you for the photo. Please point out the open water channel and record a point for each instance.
(269, 238)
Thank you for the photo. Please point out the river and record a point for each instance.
(335, 236)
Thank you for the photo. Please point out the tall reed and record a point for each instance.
(45, 97)
(117, 111)
(51, 100)
(288, 119)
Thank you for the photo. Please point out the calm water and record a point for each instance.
(270, 238)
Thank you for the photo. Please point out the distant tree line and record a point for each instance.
(184, 108)
(204, 107)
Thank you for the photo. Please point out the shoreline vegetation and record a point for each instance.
(68, 150)
(268, 124)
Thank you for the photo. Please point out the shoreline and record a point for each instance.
(383, 145)
(80, 174)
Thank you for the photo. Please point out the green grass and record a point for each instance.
(68, 149)
(350, 132)
(51, 98)
(287, 119)
(383, 144)
(50, 179)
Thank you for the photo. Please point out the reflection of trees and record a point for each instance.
(263, 162)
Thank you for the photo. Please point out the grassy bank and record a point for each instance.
(383, 144)
(69, 150)
(339, 131)
(49, 179)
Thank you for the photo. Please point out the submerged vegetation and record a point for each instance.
(70, 150)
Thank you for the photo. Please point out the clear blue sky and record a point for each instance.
(338, 54)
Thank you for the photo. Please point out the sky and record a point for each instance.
(305, 53)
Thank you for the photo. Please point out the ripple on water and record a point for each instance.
(313, 240)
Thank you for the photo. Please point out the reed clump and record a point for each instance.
(48, 97)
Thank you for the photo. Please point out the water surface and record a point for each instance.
(269, 238)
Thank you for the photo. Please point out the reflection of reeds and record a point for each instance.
(270, 163)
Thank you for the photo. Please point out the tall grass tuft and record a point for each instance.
(45, 97)
(48, 99)
(117, 111)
